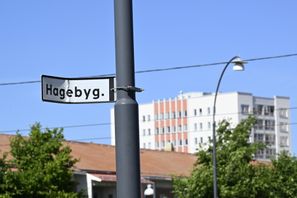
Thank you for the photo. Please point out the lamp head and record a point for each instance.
(238, 64)
(149, 190)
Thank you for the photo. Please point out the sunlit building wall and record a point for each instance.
(184, 123)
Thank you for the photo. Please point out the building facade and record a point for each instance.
(184, 123)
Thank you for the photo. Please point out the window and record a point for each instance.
(283, 127)
(156, 117)
(244, 109)
(195, 112)
(201, 126)
(174, 129)
(208, 125)
(208, 110)
(180, 142)
(179, 114)
(195, 127)
(283, 113)
(157, 131)
(201, 139)
(258, 137)
(270, 153)
(270, 139)
(260, 154)
(174, 143)
(163, 130)
(148, 131)
(143, 118)
(143, 132)
(179, 127)
(186, 141)
(185, 127)
(168, 129)
(258, 110)
(283, 141)
(161, 117)
(173, 115)
(185, 113)
(148, 118)
(259, 124)
(166, 115)
(196, 140)
(269, 110)
(200, 111)
(269, 124)
(157, 144)
(149, 145)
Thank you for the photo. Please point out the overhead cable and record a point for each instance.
(165, 69)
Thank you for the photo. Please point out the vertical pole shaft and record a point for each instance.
(126, 106)
(214, 160)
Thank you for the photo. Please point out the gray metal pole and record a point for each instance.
(126, 106)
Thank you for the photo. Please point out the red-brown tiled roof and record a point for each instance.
(4, 143)
(99, 157)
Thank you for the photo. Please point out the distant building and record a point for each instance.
(184, 123)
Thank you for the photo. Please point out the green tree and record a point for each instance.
(237, 175)
(284, 175)
(3, 169)
(42, 166)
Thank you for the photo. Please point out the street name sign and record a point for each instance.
(77, 90)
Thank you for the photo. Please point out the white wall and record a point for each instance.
(146, 126)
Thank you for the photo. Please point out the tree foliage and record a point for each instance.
(238, 175)
(284, 175)
(40, 166)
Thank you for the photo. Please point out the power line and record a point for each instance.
(88, 139)
(75, 140)
(213, 64)
(20, 83)
(164, 69)
(271, 57)
(64, 127)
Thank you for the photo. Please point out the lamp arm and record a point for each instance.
(218, 85)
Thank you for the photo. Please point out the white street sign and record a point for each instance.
(77, 90)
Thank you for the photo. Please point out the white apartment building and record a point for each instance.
(184, 123)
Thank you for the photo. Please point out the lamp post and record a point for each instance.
(238, 66)
(126, 106)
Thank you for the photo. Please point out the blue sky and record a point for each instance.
(72, 38)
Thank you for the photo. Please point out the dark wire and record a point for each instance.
(164, 69)
(64, 127)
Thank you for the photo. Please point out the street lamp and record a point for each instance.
(238, 66)
(149, 191)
